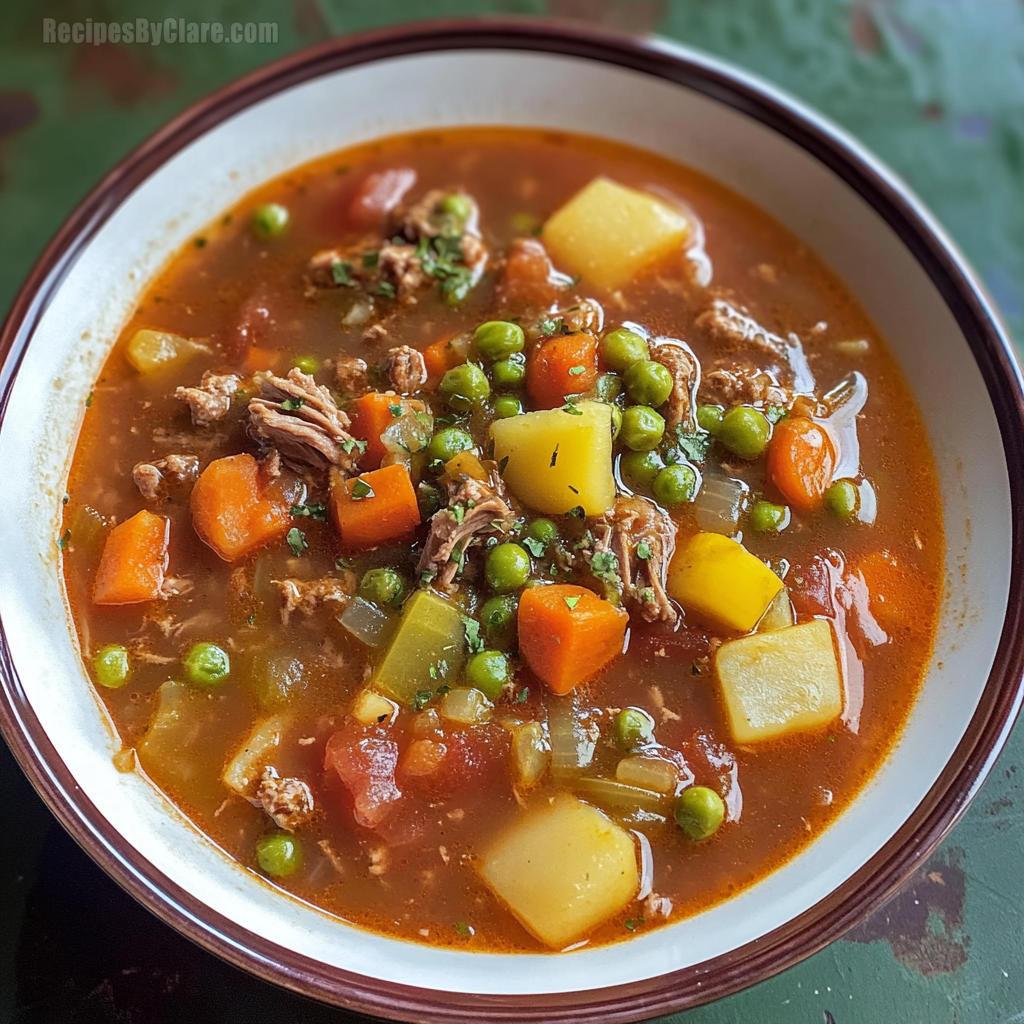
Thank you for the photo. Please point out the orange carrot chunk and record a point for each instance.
(891, 588)
(441, 357)
(801, 459)
(567, 634)
(371, 415)
(233, 512)
(134, 560)
(564, 365)
(374, 508)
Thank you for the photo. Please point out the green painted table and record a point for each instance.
(936, 87)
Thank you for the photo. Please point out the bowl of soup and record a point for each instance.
(507, 522)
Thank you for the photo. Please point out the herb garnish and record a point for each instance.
(341, 273)
(577, 513)
(318, 512)
(361, 489)
(575, 371)
(774, 413)
(353, 444)
(88, 400)
(387, 289)
(694, 443)
(633, 923)
(570, 406)
(422, 699)
(605, 566)
(297, 541)
(643, 551)
(524, 695)
(571, 602)
(463, 929)
(371, 258)
(534, 546)
(474, 641)
(293, 404)
(395, 410)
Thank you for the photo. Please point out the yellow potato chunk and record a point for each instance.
(780, 682)
(721, 581)
(372, 708)
(562, 868)
(608, 233)
(558, 460)
(155, 351)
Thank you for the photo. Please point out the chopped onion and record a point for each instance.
(409, 433)
(366, 622)
(466, 706)
(530, 753)
(779, 615)
(648, 773)
(721, 502)
(572, 739)
(613, 795)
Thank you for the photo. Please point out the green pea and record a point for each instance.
(307, 364)
(608, 387)
(642, 428)
(633, 728)
(498, 617)
(207, 664)
(111, 666)
(447, 443)
(768, 518)
(641, 468)
(488, 671)
(648, 383)
(498, 339)
(616, 422)
(270, 220)
(842, 498)
(511, 372)
(506, 407)
(543, 530)
(457, 206)
(699, 812)
(382, 586)
(279, 855)
(464, 386)
(622, 348)
(744, 431)
(709, 417)
(673, 485)
(507, 568)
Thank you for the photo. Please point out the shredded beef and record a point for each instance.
(680, 361)
(745, 385)
(288, 801)
(210, 401)
(476, 510)
(634, 521)
(375, 333)
(725, 323)
(300, 418)
(151, 477)
(406, 369)
(350, 373)
(420, 219)
(307, 596)
(399, 266)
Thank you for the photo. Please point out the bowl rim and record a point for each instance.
(850, 902)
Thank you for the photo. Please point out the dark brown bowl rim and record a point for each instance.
(844, 907)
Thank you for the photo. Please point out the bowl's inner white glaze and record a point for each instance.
(482, 87)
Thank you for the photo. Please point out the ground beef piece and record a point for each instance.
(406, 369)
(375, 333)
(212, 399)
(288, 801)
(151, 477)
(745, 385)
(725, 323)
(677, 358)
(423, 218)
(351, 374)
(307, 596)
(300, 418)
(476, 510)
(402, 269)
(634, 521)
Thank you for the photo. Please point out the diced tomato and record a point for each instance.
(423, 757)
(812, 586)
(377, 195)
(365, 760)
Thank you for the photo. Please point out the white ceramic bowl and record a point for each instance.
(674, 102)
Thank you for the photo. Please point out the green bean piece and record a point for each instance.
(633, 727)
(648, 383)
(673, 485)
(498, 617)
(499, 339)
(768, 518)
(543, 530)
(641, 468)
(511, 372)
(447, 443)
(488, 671)
(622, 348)
(642, 428)
(699, 813)
(608, 387)
(709, 417)
(270, 220)
(112, 666)
(307, 364)
(506, 406)
(464, 387)
(457, 206)
(744, 431)
(207, 664)
(383, 586)
(507, 568)
(843, 498)
(279, 855)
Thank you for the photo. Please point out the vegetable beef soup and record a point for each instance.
(503, 540)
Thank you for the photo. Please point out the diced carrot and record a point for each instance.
(465, 466)
(564, 365)
(801, 458)
(134, 560)
(371, 415)
(567, 633)
(374, 508)
(529, 279)
(262, 359)
(441, 356)
(889, 586)
(377, 195)
(423, 757)
(233, 512)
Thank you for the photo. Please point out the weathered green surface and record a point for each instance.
(936, 87)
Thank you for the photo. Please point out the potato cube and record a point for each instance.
(372, 708)
(155, 351)
(562, 868)
(780, 682)
(608, 233)
(558, 460)
(719, 580)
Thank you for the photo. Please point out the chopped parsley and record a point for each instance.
(387, 289)
(297, 541)
(571, 602)
(550, 326)
(318, 512)
(371, 258)
(361, 489)
(577, 513)
(534, 546)
(341, 273)
(570, 406)
(458, 513)
(474, 641)
(694, 443)
(343, 564)
(353, 444)
(422, 699)
(464, 930)
(293, 404)
(523, 695)
(774, 413)
(605, 566)
(633, 923)
(395, 410)
(427, 577)
(88, 400)
(643, 551)
(575, 371)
